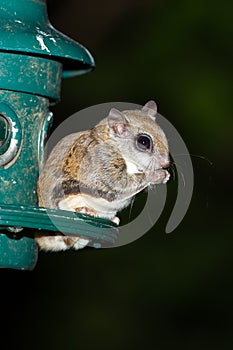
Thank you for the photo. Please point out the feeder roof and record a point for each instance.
(25, 29)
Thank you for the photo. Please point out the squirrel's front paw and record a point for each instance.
(159, 176)
(167, 177)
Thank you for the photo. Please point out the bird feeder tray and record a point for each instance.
(99, 232)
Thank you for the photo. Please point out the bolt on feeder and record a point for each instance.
(34, 57)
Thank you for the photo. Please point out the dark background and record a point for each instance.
(167, 291)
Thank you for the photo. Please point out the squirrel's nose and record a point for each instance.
(165, 164)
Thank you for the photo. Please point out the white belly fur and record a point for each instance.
(102, 207)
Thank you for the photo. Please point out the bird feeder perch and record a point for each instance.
(34, 57)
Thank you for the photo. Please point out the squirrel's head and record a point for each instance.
(140, 140)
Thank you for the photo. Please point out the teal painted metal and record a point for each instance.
(26, 114)
(33, 58)
(33, 75)
(18, 176)
(16, 253)
(25, 28)
(100, 232)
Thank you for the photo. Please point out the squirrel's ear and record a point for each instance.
(151, 109)
(117, 122)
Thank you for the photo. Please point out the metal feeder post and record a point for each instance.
(33, 59)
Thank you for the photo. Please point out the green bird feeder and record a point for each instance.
(33, 59)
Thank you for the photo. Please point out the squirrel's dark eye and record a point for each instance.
(144, 142)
